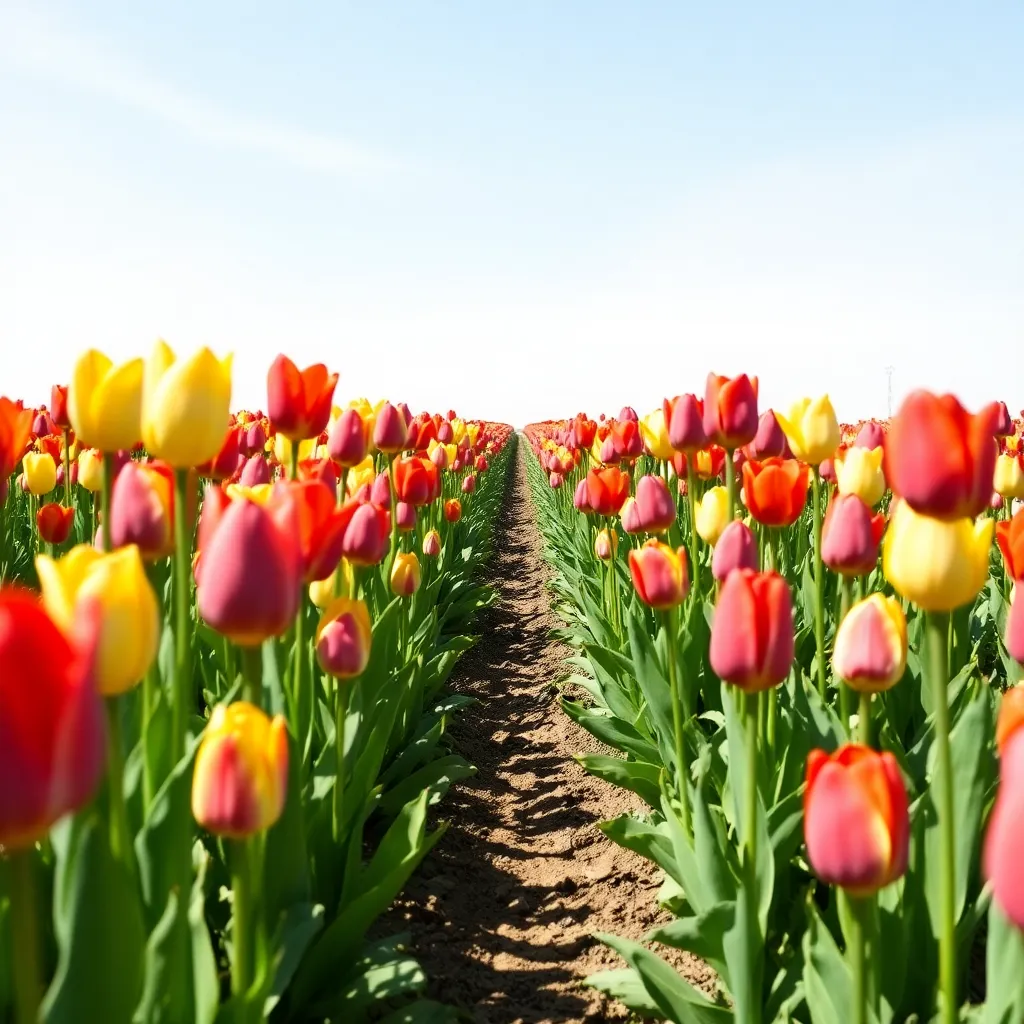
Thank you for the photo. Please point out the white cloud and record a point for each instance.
(40, 46)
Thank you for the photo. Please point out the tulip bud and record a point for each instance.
(871, 435)
(713, 515)
(405, 516)
(736, 549)
(380, 492)
(850, 536)
(581, 497)
(142, 509)
(444, 432)
(59, 406)
(607, 490)
(469, 483)
(752, 634)
(299, 401)
(812, 429)
(606, 545)
(660, 574)
(255, 441)
(367, 532)
(770, 439)
(90, 470)
(347, 441)
(871, 645)
(343, 638)
(432, 544)
(439, 456)
(255, 472)
(1015, 628)
(54, 523)
(481, 464)
(1010, 538)
(730, 410)
(937, 565)
(405, 574)
(391, 430)
(54, 746)
(241, 772)
(654, 431)
(685, 418)
(40, 472)
(856, 819)
(1008, 478)
(453, 510)
(1002, 421)
(859, 471)
(104, 401)
(116, 584)
(775, 490)
(652, 511)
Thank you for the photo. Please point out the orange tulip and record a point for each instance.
(15, 428)
(54, 523)
(1010, 538)
(607, 490)
(299, 402)
(775, 490)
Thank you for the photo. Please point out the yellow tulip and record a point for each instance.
(654, 431)
(185, 406)
(90, 470)
(713, 514)
(1009, 477)
(473, 432)
(458, 429)
(937, 565)
(105, 402)
(363, 473)
(129, 613)
(405, 574)
(812, 429)
(860, 472)
(258, 494)
(323, 592)
(282, 449)
(40, 472)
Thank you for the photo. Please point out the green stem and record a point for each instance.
(108, 490)
(340, 712)
(120, 837)
(864, 719)
(300, 696)
(691, 502)
(730, 482)
(150, 681)
(680, 715)
(293, 468)
(252, 674)
(67, 468)
(937, 633)
(819, 584)
(394, 516)
(241, 927)
(27, 973)
(749, 836)
(183, 695)
(855, 953)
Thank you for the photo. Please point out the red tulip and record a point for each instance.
(652, 510)
(871, 435)
(730, 410)
(54, 523)
(481, 465)
(142, 509)
(776, 490)
(627, 441)
(229, 460)
(367, 532)
(469, 483)
(15, 428)
(1015, 628)
(770, 440)
(52, 735)
(391, 430)
(256, 471)
(1010, 538)
(736, 549)
(453, 510)
(850, 536)
(59, 406)
(319, 526)
(752, 635)
(321, 471)
(939, 458)
(856, 820)
(405, 516)
(684, 418)
(581, 497)
(660, 574)
(299, 402)
(417, 479)
(347, 440)
(254, 439)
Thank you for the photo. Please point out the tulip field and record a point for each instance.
(227, 638)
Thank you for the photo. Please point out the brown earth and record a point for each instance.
(503, 912)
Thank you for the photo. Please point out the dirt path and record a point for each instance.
(503, 911)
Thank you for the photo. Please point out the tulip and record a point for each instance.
(736, 549)
(871, 645)
(1002, 425)
(752, 635)
(444, 432)
(660, 574)
(709, 462)
(654, 431)
(1011, 717)
(730, 410)
(405, 574)
(367, 532)
(1004, 840)
(52, 733)
(453, 510)
(320, 526)
(937, 565)
(229, 460)
(54, 523)
(185, 406)
(581, 497)
(255, 472)
(343, 638)
(380, 492)
(241, 771)
(347, 440)
(859, 471)
(684, 417)
(299, 401)
(871, 435)
(481, 464)
(1015, 628)
(255, 439)
(323, 592)
(405, 516)
(117, 585)
(627, 441)
(391, 430)
(811, 429)
(1008, 478)
(940, 459)
(142, 509)
(652, 510)
(850, 536)
(105, 401)
(40, 472)
(713, 515)
(607, 490)
(1010, 538)
(15, 428)
(59, 406)
(319, 471)
(606, 545)
(775, 490)
(249, 568)
(90, 470)
(432, 544)
(469, 483)
(770, 439)
(417, 480)
(856, 818)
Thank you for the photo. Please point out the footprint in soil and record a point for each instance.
(502, 912)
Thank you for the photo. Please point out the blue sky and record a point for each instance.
(520, 209)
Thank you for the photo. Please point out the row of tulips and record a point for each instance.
(224, 643)
(800, 638)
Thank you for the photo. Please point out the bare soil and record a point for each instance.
(503, 912)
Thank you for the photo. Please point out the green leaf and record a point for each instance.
(703, 934)
(625, 985)
(433, 779)
(423, 1011)
(648, 840)
(612, 731)
(286, 881)
(1004, 970)
(639, 778)
(99, 931)
(299, 927)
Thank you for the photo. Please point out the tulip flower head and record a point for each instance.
(367, 532)
(811, 429)
(581, 497)
(1008, 479)
(59, 406)
(343, 638)
(15, 429)
(770, 439)
(52, 732)
(775, 490)
(936, 564)
(90, 470)
(654, 431)
(709, 462)
(241, 771)
(40, 472)
(752, 635)
(730, 410)
(104, 401)
(299, 401)
(871, 645)
(607, 490)
(850, 536)
(116, 586)
(469, 483)
(652, 510)
(660, 574)
(713, 514)
(142, 509)
(54, 523)
(453, 510)
(870, 435)
(856, 818)
(736, 549)
(405, 574)
(1014, 637)
(859, 471)
(1010, 538)
(391, 430)
(185, 406)
(255, 472)
(432, 544)
(684, 417)
(606, 545)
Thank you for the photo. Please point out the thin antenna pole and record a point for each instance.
(889, 372)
